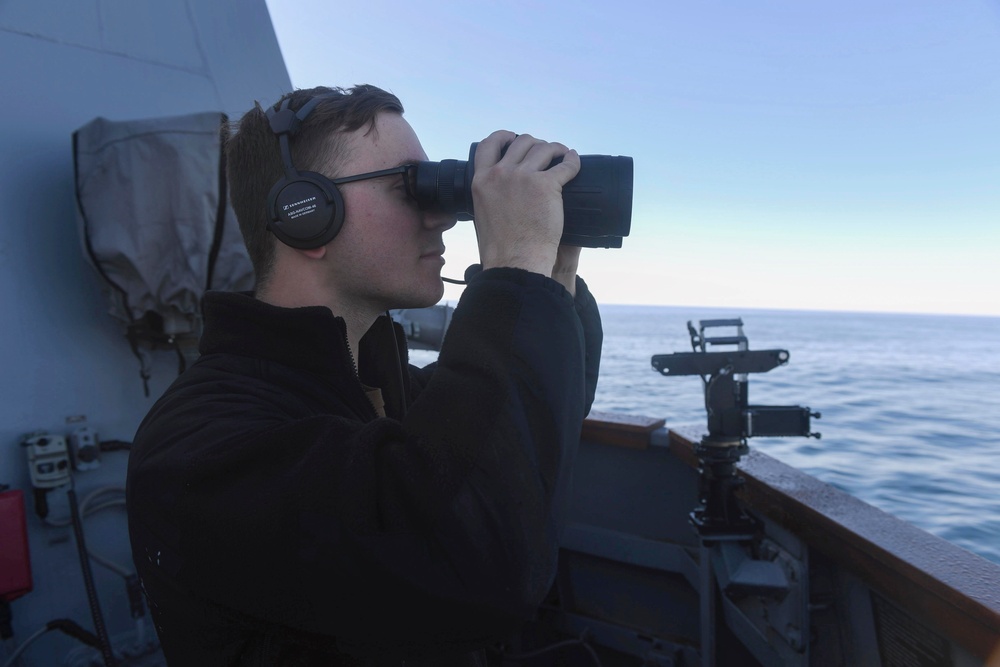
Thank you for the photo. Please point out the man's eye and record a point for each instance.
(405, 188)
(403, 194)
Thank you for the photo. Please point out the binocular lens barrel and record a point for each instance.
(443, 186)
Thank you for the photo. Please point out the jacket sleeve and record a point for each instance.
(593, 339)
(389, 536)
(593, 342)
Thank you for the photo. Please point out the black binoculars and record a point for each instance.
(597, 203)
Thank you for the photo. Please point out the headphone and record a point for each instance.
(306, 208)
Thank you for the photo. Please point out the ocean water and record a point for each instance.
(910, 403)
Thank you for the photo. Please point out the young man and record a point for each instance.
(300, 495)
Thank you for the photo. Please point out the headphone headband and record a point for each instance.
(286, 121)
(306, 209)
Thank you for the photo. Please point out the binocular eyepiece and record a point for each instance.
(597, 203)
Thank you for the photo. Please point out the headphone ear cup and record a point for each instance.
(307, 211)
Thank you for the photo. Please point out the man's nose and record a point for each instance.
(438, 220)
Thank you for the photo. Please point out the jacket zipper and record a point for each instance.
(357, 377)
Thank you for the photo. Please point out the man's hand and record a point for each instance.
(518, 200)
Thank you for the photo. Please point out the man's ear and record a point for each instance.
(314, 253)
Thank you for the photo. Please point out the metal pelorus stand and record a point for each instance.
(727, 533)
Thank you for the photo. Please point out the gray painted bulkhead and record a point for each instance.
(65, 63)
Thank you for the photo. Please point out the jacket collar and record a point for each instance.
(311, 338)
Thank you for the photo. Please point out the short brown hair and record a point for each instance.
(253, 158)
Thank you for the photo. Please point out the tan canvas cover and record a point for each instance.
(155, 221)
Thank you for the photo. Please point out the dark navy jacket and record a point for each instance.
(276, 519)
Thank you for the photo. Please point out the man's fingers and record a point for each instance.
(534, 153)
(518, 149)
(566, 170)
(490, 149)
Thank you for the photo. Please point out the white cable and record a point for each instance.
(27, 642)
(85, 510)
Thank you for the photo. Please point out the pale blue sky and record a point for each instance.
(806, 154)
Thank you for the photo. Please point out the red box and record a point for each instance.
(15, 561)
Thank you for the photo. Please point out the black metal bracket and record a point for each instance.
(731, 420)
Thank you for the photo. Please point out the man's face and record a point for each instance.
(388, 253)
